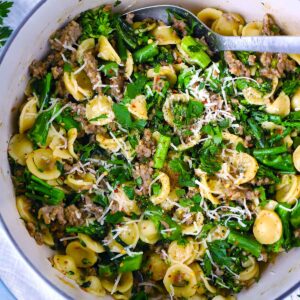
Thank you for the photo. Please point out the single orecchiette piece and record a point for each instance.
(42, 164)
(129, 234)
(83, 256)
(164, 191)
(255, 97)
(209, 15)
(228, 24)
(295, 57)
(251, 271)
(129, 65)
(157, 267)
(281, 105)
(19, 148)
(148, 232)
(81, 182)
(125, 283)
(180, 280)
(202, 283)
(296, 158)
(288, 190)
(28, 115)
(204, 188)
(99, 110)
(84, 46)
(125, 204)
(252, 29)
(138, 107)
(90, 243)
(196, 226)
(244, 167)
(72, 136)
(94, 286)
(106, 50)
(66, 265)
(78, 85)
(232, 139)
(165, 35)
(182, 253)
(267, 228)
(23, 206)
(167, 72)
(109, 144)
(295, 103)
(58, 143)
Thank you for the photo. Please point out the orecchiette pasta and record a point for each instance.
(66, 265)
(125, 283)
(99, 110)
(180, 280)
(84, 46)
(289, 189)
(164, 191)
(138, 107)
(90, 243)
(93, 285)
(281, 105)
(184, 254)
(228, 24)
(232, 139)
(196, 226)
(23, 206)
(296, 158)
(148, 231)
(19, 148)
(165, 35)
(58, 143)
(42, 164)
(81, 182)
(255, 97)
(209, 15)
(28, 115)
(167, 72)
(251, 271)
(157, 267)
(82, 255)
(129, 65)
(295, 57)
(252, 29)
(295, 103)
(109, 144)
(129, 234)
(199, 275)
(78, 85)
(267, 227)
(72, 136)
(106, 51)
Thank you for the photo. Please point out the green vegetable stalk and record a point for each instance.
(295, 216)
(195, 51)
(161, 151)
(39, 190)
(131, 263)
(126, 33)
(245, 242)
(146, 53)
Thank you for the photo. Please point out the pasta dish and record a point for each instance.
(154, 168)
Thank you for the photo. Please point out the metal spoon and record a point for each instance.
(217, 42)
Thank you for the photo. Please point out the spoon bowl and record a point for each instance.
(215, 41)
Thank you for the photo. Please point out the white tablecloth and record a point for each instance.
(18, 276)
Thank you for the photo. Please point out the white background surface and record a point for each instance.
(15, 272)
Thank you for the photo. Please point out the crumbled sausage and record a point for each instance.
(180, 26)
(37, 235)
(65, 37)
(117, 89)
(145, 171)
(52, 213)
(73, 215)
(236, 67)
(91, 69)
(269, 26)
(146, 146)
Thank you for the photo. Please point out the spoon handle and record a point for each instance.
(283, 44)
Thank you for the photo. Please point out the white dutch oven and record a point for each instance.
(30, 42)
